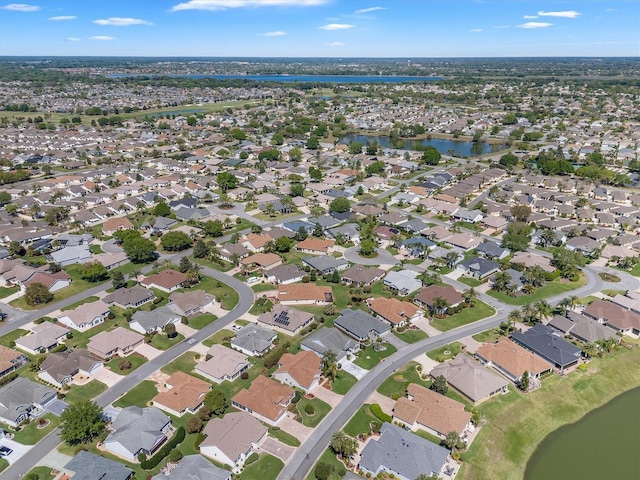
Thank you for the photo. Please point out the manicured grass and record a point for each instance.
(516, 423)
(321, 409)
(30, 434)
(231, 388)
(41, 473)
(3, 464)
(261, 306)
(262, 287)
(284, 437)
(227, 295)
(329, 457)
(184, 363)
(162, 342)
(550, 289)
(7, 291)
(411, 336)
(343, 383)
(467, 315)
(488, 336)
(396, 385)
(472, 282)
(439, 354)
(428, 436)
(8, 339)
(266, 468)
(202, 321)
(141, 395)
(78, 393)
(218, 337)
(369, 358)
(95, 249)
(135, 358)
(361, 421)
(80, 302)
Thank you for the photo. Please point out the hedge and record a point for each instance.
(379, 414)
(8, 378)
(154, 461)
(251, 459)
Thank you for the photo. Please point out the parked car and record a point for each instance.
(4, 451)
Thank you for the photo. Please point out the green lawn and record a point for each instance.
(162, 342)
(228, 296)
(553, 288)
(428, 436)
(202, 321)
(262, 287)
(184, 363)
(261, 306)
(140, 395)
(361, 421)
(284, 437)
(488, 336)
(516, 423)
(80, 302)
(343, 383)
(41, 473)
(9, 339)
(411, 335)
(321, 409)
(218, 337)
(3, 464)
(470, 281)
(329, 456)
(266, 468)
(95, 249)
(89, 391)
(30, 434)
(7, 291)
(135, 358)
(369, 358)
(467, 315)
(439, 354)
(396, 385)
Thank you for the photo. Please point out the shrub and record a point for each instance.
(124, 364)
(194, 425)
(323, 471)
(141, 457)
(175, 456)
(244, 375)
(199, 439)
(295, 399)
(251, 459)
(379, 414)
(309, 410)
(154, 461)
(8, 378)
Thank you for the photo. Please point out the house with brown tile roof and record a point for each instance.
(263, 260)
(511, 360)
(231, 439)
(222, 364)
(85, 316)
(167, 280)
(395, 312)
(117, 342)
(426, 295)
(192, 302)
(301, 370)
(114, 224)
(256, 242)
(304, 294)
(184, 394)
(463, 240)
(431, 411)
(315, 246)
(530, 260)
(265, 399)
(362, 276)
(10, 360)
(287, 318)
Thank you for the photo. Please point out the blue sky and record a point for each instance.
(321, 28)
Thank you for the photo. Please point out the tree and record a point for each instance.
(439, 306)
(313, 143)
(12, 209)
(217, 402)
(184, 265)
(528, 313)
(547, 237)
(515, 316)
(508, 160)
(200, 249)
(431, 156)
(330, 365)
(590, 349)
(214, 228)
(517, 237)
(56, 215)
(82, 422)
(175, 241)
(323, 471)
(543, 310)
(192, 277)
(355, 148)
(501, 281)
(283, 244)
(162, 209)
(340, 205)
(118, 280)
(534, 275)
(296, 190)
(5, 197)
(37, 294)
(194, 425)
(367, 247)
(139, 249)
(451, 258)
(16, 249)
(226, 181)
(93, 272)
(317, 231)
(343, 444)
(335, 277)
(439, 385)
(524, 381)
(452, 440)
(565, 305)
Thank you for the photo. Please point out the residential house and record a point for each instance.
(511, 360)
(284, 274)
(492, 250)
(20, 398)
(265, 399)
(59, 368)
(193, 467)
(264, 261)
(437, 414)
(426, 296)
(530, 260)
(286, 318)
(541, 340)
(71, 255)
(137, 430)
(478, 267)
(405, 282)
(183, 394)
(167, 280)
(360, 325)
(230, 252)
(255, 242)
(360, 276)
(231, 439)
(470, 378)
(154, 320)
(304, 294)
(86, 316)
(43, 338)
(323, 340)
(111, 260)
(89, 466)
(584, 245)
(118, 342)
(115, 224)
(316, 246)
(615, 316)
(133, 297)
(395, 312)
(301, 370)
(403, 454)
(10, 360)
(326, 264)
(253, 340)
(463, 240)
(192, 302)
(583, 328)
(222, 364)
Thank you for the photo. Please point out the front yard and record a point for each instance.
(411, 335)
(266, 468)
(320, 410)
(88, 391)
(135, 359)
(140, 395)
(370, 356)
(550, 289)
(467, 315)
(343, 383)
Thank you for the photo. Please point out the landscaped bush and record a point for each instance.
(379, 414)
(323, 471)
(175, 456)
(244, 375)
(8, 378)
(309, 410)
(154, 461)
(199, 439)
(251, 458)
(295, 399)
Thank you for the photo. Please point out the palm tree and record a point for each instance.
(469, 294)
(439, 306)
(590, 349)
(547, 237)
(565, 305)
(330, 365)
(501, 281)
(542, 309)
(575, 301)
(450, 259)
(534, 276)
(514, 317)
(528, 312)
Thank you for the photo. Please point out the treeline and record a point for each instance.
(14, 176)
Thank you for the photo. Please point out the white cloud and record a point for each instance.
(502, 26)
(530, 17)
(20, 7)
(476, 30)
(368, 10)
(102, 38)
(213, 5)
(335, 44)
(121, 21)
(535, 25)
(564, 14)
(73, 39)
(60, 18)
(278, 33)
(337, 26)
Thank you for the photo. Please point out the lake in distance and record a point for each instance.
(603, 445)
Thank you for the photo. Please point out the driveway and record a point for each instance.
(148, 351)
(385, 403)
(384, 257)
(18, 449)
(110, 247)
(326, 395)
(277, 449)
(55, 460)
(295, 428)
(353, 369)
(107, 377)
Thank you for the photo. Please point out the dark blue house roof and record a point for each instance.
(542, 341)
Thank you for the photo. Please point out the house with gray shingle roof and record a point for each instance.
(20, 397)
(542, 340)
(89, 466)
(253, 340)
(154, 320)
(194, 467)
(326, 263)
(360, 325)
